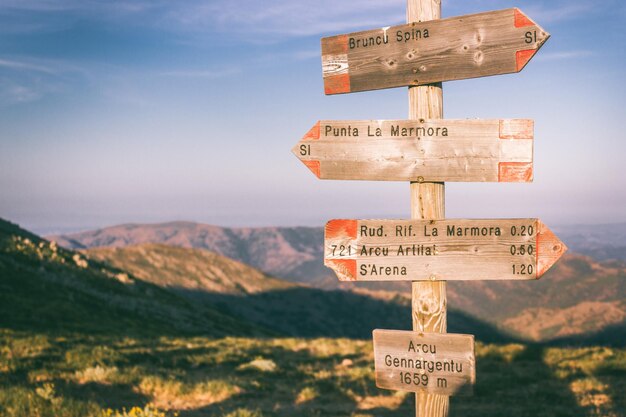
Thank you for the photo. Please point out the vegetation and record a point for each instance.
(51, 375)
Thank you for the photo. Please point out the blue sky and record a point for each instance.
(147, 111)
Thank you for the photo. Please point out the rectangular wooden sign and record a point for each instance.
(450, 249)
(478, 45)
(433, 362)
(420, 150)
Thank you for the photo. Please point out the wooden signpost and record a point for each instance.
(477, 45)
(451, 249)
(432, 362)
(413, 150)
(427, 150)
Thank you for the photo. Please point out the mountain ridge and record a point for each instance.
(578, 295)
(48, 288)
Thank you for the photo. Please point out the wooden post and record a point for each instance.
(428, 305)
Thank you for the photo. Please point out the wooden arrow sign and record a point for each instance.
(457, 48)
(450, 249)
(420, 150)
(433, 362)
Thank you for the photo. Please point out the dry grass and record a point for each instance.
(235, 377)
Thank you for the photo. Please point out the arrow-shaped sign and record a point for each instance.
(478, 45)
(450, 249)
(420, 150)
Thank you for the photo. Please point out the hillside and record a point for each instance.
(578, 296)
(291, 253)
(286, 308)
(189, 269)
(50, 289)
(601, 241)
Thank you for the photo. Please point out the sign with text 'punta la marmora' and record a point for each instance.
(420, 150)
(450, 249)
(478, 45)
(432, 362)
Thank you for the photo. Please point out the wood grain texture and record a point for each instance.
(441, 250)
(431, 363)
(428, 299)
(425, 150)
(429, 51)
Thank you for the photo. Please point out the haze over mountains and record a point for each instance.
(292, 253)
(47, 288)
(166, 290)
(578, 296)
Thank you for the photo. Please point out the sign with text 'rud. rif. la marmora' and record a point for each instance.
(450, 249)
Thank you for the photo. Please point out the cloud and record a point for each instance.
(12, 93)
(545, 15)
(250, 19)
(26, 90)
(244, 18)
(239, 18)
(557, 56)
(4, 63)
(26, 79)
(307, 54)
(208, 74)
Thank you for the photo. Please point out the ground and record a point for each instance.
(78, 375)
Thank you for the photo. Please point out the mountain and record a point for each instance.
(189, 269)
(601, 241)
(284, 252)
(46, 288)
(286, 308)
(577, 296)
(162, 290)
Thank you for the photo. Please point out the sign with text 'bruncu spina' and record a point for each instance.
(420, 150)
(451, 249)
(456, 48)
(434, 362)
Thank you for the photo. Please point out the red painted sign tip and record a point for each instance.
(522, 58)
(314, 166)
(549, 248)
(313, 133)
(339, 228)
(521, 20)
(344, 268)
(337, 84)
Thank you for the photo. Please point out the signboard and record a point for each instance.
(433, 362)
(478, 45)
(450, 249)
(420, 150)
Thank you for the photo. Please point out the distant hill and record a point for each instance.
(158, 290)
(601, 242)
(284, 252)
(189, 269)
(47, 288)
(578, 296)
(286, 308)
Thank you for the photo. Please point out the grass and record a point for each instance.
(78, 375)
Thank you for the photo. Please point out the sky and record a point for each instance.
(148, 111)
